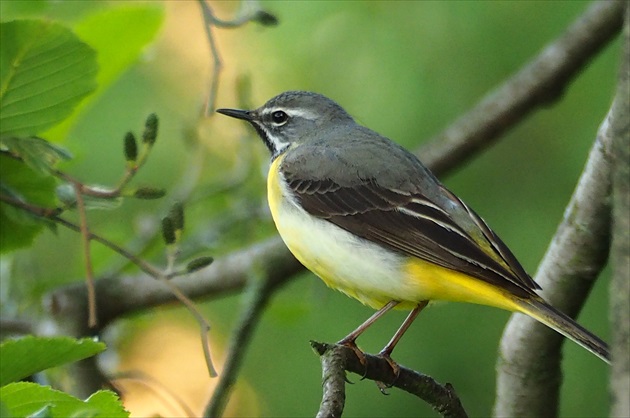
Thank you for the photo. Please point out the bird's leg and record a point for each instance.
(386, 352)
(350, 340)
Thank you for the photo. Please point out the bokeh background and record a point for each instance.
(404, 69)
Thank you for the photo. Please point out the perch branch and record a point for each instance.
(336, 358)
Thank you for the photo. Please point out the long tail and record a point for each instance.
(558, 321)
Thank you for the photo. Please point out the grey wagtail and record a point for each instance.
(370, 220)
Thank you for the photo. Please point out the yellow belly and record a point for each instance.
(366, 271)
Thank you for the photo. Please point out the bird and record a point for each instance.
(367, 217)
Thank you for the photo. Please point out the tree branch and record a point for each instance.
(336, 359)
(536, 85)
(119, 296)
(529, 376)
(620, 250)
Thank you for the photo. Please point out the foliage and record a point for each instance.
(40, 84)
(39, 87)
(26, 356)
(45, 72)
(30, 399)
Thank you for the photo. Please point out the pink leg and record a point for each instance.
(350, 339)
(387, 350)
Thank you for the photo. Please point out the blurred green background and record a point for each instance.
(404, 69)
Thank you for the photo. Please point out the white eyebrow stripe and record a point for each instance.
(303, 113)
(298, 112)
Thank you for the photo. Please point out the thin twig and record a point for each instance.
(87, 254)
(184, 188)
(100, 192)
(38, 211)
(257, 297)
(155, 386)
(53, 216)
(336, 358)
(249, 11)
(204, 326)
(144, 266)
(217, 64)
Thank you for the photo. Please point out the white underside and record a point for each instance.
(360, 269)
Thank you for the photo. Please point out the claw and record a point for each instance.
(394, 366)
(382, 387)
(357, 351)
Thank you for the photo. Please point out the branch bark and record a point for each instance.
(119, 296)
(529, 375)
(336, 359)
(620, 250)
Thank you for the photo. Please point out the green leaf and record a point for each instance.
(38, 153)
(20, 182)
(45, 412)
(25, 356)
(26, 398)
(119, 35)
(45, 70)
(4, 411)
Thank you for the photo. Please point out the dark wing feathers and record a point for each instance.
(412, 224)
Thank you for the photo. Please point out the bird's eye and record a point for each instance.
(279, 117)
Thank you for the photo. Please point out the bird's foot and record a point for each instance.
(351, 344)
(395, 369)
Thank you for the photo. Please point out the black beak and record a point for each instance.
(238, 114)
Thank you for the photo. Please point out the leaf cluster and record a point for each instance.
(30, 355)
(45, 72)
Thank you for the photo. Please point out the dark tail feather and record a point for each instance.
(566, 326)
